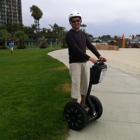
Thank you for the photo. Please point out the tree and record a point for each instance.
(61, 37)
(59, 32)
(28, 30)
(20, 37)
(105, 36)
(56, 29)
(89, 36)
(34, 26)
(12, 28)
(2, 27)
(4, 35)
(43, 32)
(37, 14)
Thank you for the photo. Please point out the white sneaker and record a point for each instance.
(86, 108)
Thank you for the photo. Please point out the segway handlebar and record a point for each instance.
(100, 61)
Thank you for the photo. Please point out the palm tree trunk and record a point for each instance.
(38, 29)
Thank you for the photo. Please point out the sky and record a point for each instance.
(102, 17)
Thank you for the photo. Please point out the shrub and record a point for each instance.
(43, 45)
(21, 46)
(3, 47)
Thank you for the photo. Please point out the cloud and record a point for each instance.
(105, 13)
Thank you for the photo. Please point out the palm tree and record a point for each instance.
(28, 30)
(33, 26)
(43, 32)
(55, 29)
(61, 37)
(20, 37)
(49, 32)
(59, 32)
(37, 14)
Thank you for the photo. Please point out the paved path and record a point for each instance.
(120, 96)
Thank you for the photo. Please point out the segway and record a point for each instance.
(74, 113)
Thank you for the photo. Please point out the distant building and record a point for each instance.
(127, 37)
(138, 36)
(10, 11)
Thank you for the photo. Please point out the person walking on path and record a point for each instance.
(11, 45)
(77, 42)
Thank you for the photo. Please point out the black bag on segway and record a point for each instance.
(97, 72)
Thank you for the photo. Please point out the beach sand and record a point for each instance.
(126, 59)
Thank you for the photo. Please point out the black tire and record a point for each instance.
(75, 115)
(98, 106)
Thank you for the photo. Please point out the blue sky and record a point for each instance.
(102, 17)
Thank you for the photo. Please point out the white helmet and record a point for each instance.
(75, 14)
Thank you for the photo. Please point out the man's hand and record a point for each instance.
(94, 60)
(103, 58)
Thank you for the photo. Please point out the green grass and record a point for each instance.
(34, 89)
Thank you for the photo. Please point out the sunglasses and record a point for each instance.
(73, 21)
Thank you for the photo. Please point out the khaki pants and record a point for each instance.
(79, 78)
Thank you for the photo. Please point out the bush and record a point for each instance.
(43, 45)
(21, 46)
(3, 47)
(64, 46)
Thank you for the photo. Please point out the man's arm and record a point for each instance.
(92, 48)
(73, 46)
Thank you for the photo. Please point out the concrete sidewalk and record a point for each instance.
(120, 96)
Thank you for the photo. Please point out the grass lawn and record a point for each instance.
(34, 89)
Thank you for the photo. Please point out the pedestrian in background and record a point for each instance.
(11, 46)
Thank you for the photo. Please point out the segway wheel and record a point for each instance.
(75, 115)
(98, 106)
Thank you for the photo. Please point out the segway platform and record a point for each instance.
(74, 113)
